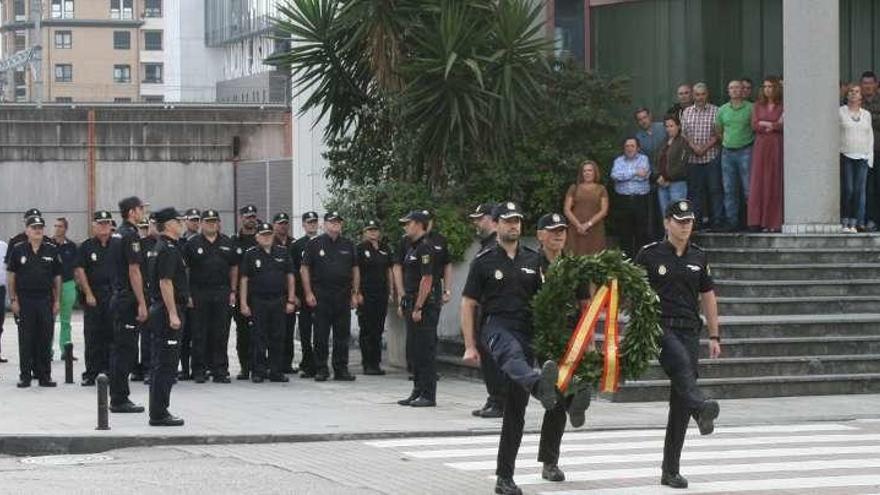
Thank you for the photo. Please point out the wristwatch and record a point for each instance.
(716, 338)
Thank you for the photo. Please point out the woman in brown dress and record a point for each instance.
(586, 206)
(765, 196)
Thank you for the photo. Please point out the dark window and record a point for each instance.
(153, 73)
(154, 98)
(121, 99)
(63, 39)
(122, 73)
(63, 72)
(20, 41)
(152, 8)
(121, 40)
(18, 8)
(121, 9)
(152, 40)
(63, 99)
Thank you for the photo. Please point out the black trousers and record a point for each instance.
(421, 338)
(371, 320)
(634, 219)
(146, 345)
(35, 330)
(186, 340)
(98, 333)
(496, 382)
(289, 334)
(165, 351)
(267, 335)
(332, 314)
(679, 353)
(2, 312)
(305, 321)
(123, 352)
(210, 332)
(243, 327)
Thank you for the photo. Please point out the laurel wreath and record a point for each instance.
(556, 310)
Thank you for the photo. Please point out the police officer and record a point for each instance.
(442, 263)
(496, 384)
(21, 236)
(374, 262)
(129, 304)
(147, 232)
(94, 274)
(421, 310)
(170, 293)
(267, 296)
(331, 282)
(193, 221)
(502, 281)
(305, 314)
(35, 297)
(678, 271)
(244, 240)
(213, 272)
(281, 227)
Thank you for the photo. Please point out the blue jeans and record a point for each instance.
(735, 165)
(672, 192)
(855, 175)
(704, 185)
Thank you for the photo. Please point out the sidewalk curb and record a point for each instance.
(37, 445)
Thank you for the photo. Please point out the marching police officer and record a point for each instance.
(421, 310)
(496, 384)
(281, 227)
(94, 274)
(374, 262)
(678, 271)
(502, 281)
(129, 304)
(267, 296)
(305, 314)
(331, 282)
(244, 240)
(213, 273)
(170, 293)
(34, 282)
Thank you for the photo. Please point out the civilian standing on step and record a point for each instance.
(733, 124)
(857, 156)
(765, 191)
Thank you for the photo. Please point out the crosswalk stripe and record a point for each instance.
(763, 486)
(649, 444)
(599, 435)
(653, 472)
(656, 457)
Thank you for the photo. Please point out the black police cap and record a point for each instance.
(332, 216)
(210, 215)
(33, 212)
(506, 210)
(167, 214)
(248, 211)
(310, 216)
(264, 228)
(680, 210)
(102, 216)
(552, 221)
(417, 216)
(281, 217)
(371, 225)
(35, 221)
(482, 210)
(193, 214)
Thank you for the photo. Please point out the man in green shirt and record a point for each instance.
(734, 124)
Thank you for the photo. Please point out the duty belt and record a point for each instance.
(681, 324)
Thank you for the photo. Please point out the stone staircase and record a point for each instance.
(800, 315)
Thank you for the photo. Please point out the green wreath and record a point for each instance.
(556, 311)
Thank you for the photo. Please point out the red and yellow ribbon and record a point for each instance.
(607, 299)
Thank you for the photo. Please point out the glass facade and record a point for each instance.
(231, 20)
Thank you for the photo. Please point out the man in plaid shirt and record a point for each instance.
(704, 172)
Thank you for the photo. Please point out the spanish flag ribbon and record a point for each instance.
(611, 372)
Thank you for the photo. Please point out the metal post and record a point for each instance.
(68, 362)
(103, 412)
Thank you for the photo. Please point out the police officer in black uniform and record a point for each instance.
(244, 240)
(213, 272)
(129, 304)
(442, 263)
(496, 384)
(305, 314)
(193, 222)
(678, 271)
(421, 309)
(147, 232)
(170, 293)
(34, 283)
(94, 274)
(281, 227)
(502, 281)
(267, 296)
(193, 219)
(21, 236)
(331, 282)
(374, 261)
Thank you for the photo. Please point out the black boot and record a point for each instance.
(506, 486)
(706, 417)
(673, 480)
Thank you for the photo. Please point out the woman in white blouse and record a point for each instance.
(856, 155)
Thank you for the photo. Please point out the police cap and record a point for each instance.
(33, 212)
(310, 216)
(506, 210)
(102, 216)
(209, 215)
(332, 216)
(680, 210)
(34, 221)
(193, 214)
(371, 225)
(552, 221)
(248, 211)
(281, 217)
(167, 214)
(264, 228)
(482, 210)
(417, 216)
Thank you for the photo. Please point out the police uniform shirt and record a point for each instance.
(129, 251)
(243, 242)
(488, 241)
(441, 253)
(170, 265)
(34, 271)
(266, 271)
(97, 262)
(503, 286)
(400, 252)
(678, 281)
(330, 263)
(296, 254)
(20, 237)
(285, 242)
(209, 262)
(374, 264)
(68, 254)
(418, 262)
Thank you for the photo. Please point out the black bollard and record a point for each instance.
(103, 413)
(68, 362)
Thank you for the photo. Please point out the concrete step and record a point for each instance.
(803, 325)
(793, 255)
(779, 365)
(763, 386)
(810, 271)
(797, 305)
(796, 288)
(821, 241)
(796, 346)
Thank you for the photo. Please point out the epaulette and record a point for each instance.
(17, 244)
(530, 249)
(116, 235)
(700, 248)
(651, 245)
(50, 242)
(483, 253)
(250, 248)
